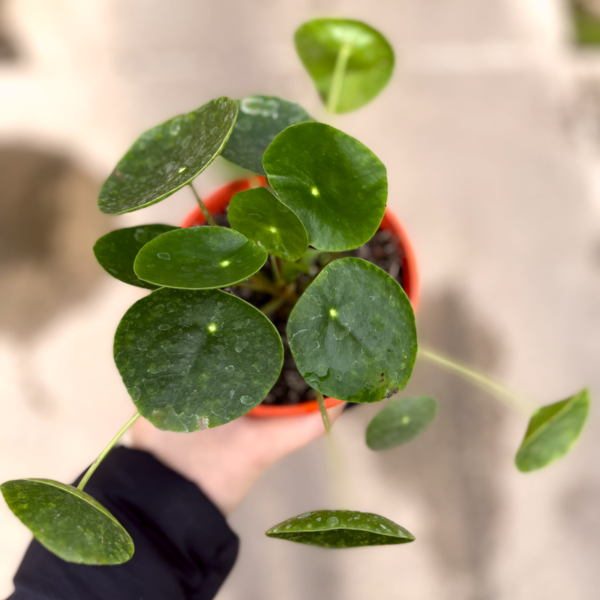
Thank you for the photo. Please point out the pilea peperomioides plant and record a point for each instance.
(194, 355)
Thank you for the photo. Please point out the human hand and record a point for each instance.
(226, 461)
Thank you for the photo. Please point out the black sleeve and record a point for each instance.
(184, 548)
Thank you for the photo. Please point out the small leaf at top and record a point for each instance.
(260, 120)
(196, 359)
(68, 522)
(259, 216)
(341, 529)
(116, 251)
(352, 333)
(552, 431)
(334, 184)
(199, 258)
(368, 59)
(400, 422)
(167, 157)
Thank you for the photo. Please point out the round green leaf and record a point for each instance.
(167, 157)
(260, 120)
(352, 333)
(552, 431)
(341, 529)
(368, 59)
(400, 422)
(68, 522)
(259, 216)
(116, 251)
(334, 184)
(192, 360)
(199, 258)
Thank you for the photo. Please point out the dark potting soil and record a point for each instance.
(381, 250)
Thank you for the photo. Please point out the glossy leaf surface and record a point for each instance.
(400, 422)
(196, 359)
(199, 258)
(352, 333)
(167, 157)
(370, 59)
(259, 216)
(334, 184)
(116, 251)
(260, 120)
(68, 522)
(341, 529)
(552, 431)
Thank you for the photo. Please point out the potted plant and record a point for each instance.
(287, 259)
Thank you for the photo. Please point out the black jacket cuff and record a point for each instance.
(184, 548)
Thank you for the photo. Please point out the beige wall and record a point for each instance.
(494, 175)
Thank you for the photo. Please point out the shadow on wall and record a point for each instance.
(48, 224)
(8, 48)
(452, 467)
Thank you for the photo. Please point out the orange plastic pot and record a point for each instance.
(217, 203)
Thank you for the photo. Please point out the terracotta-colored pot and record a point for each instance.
(217, 203)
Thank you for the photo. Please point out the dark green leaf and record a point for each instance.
(116, 251)
(167, 157)
(341, 529)
(400, 422)
(552, 431)
(352, 333)
(68, 522)
(370, 59)
(259, 216)
(199, 258)
(336, 186)
(260, 120)
(192, 360)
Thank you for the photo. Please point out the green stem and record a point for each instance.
(260, 279)
(264, 284)
(257, 287)
(106, 450)
(504, 395)
(273, 305)
(203, 208)
(323, 410)
(275, 267)
(337, 80)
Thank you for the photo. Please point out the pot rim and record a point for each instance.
(216, 204)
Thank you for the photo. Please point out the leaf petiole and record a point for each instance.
(273, 305)
(323, 410)
(203, 208)
(276, 271)
(337, 80)
(504, 395)
(106, 450)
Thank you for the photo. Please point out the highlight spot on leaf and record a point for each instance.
(332, 182)
(191, 367)
(348, 346)
(400, 422)
(262, 218)
(167, 157)
(200, 258)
